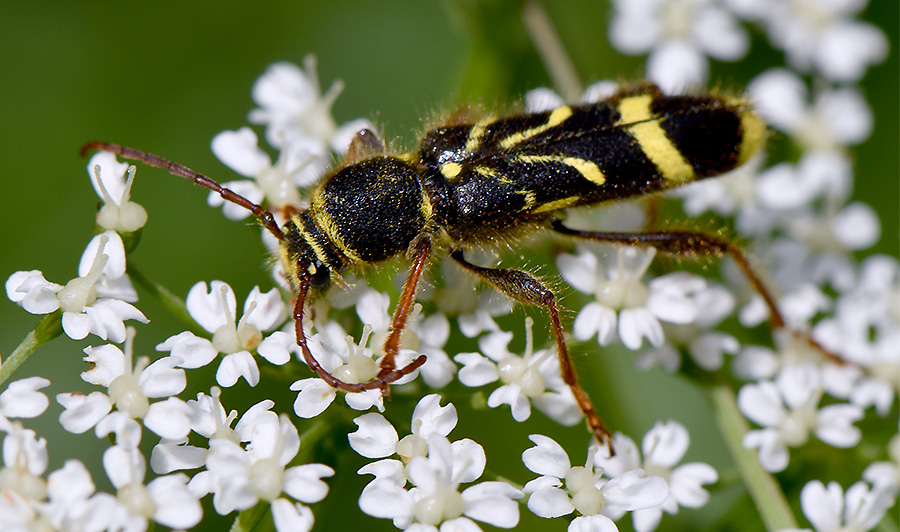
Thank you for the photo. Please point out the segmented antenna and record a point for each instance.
(176, 169)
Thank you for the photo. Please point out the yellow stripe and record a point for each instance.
(588, 169)
(323, 219)
(556, 205)
(557, 117)
(476, 134)
(493, 173)
(313, 244)
(290, 266)
(486, 171)
(753, 135)
(635, 115)
(530, 199)
(635, 109)
(425, 207)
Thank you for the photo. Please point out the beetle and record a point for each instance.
(469, 184)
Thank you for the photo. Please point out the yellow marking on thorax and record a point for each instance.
(588, 169)
(425, 207)
(310, 240)
(556, 205)
(323, 219)
(290, 266)
(635, 115)
(753, 135)
(450, 170)
(476, 134)
(557, 117)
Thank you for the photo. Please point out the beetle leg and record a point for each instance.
(690, 244)
(526, 288)
(384, 377)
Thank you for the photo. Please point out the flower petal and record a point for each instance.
(235, 365)
(291, 517)
(493, 503)
(375, 437)
(547, 457)
(240, 151)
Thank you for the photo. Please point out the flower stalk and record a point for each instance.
(764, 489)
(48, 328)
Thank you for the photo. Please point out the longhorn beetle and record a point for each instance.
(476, 183)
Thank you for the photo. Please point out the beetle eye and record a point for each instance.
(320, 277)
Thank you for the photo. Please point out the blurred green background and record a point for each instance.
(166, 76)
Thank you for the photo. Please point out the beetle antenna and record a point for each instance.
(177, 169)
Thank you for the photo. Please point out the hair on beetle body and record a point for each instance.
(472, 182)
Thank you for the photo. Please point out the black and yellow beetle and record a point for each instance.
(473, 183)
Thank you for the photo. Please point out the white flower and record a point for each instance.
(276, 183)
(886, 474)
(32, 292)
(214, 310)
(292, 107)
(434, 500)
(94, 302)
(24, 462)
(377, 438)
(837, 118)
(858, 510)
(820, 245)
(239, 478)
(209, 419)
(865, 330)
(663, 446)
(463, 294)
(755, 362)
(788, 411)
(786, 187)
(426, 336)
(352, 364)
(534, 376)
(563, 489)
(625, 307)
(707, 348)
(677, 34)
(21, 399)
(71, 503)
(130, 386)
(820, 35)
(118, 213)
(165, 499)
(732, 194)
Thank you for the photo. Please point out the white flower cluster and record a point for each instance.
(802, 222)
(678, 35)
(836, 357)
(434, 467)
(238, 466)
(299, 124)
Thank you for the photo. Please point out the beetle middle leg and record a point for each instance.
(526, 288)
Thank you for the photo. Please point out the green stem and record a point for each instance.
(887, 525)
(764, 489)
(169, 300)
(311, 436)
(549, 46)
(247, 519)
(47, 329)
